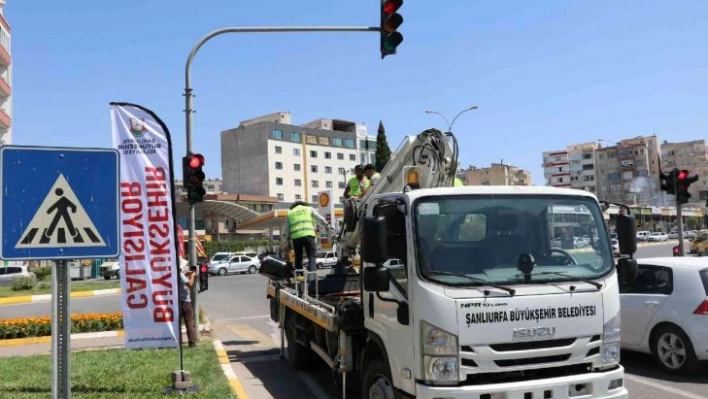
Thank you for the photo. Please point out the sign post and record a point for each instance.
(59, 204)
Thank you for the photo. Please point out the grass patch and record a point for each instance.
(6, 291)
(116, 373)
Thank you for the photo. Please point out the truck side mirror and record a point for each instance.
(373, 240)
(627, 271)
(376, 279)
(627, 234)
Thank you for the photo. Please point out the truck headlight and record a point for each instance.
(440, 351)
(611, 341)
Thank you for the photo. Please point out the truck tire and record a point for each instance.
(299, 357)
(377, 382)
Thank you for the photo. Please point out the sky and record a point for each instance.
(544, 74)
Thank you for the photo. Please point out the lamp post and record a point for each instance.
(450, 125)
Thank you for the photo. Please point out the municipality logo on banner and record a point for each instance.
(149, 261)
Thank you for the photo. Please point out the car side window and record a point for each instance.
(656, 280)
(245, 259)
(2, 270)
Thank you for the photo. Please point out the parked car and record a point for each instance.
(9, 273)
(581, 242)
(658, 237)
(665, 312)
(643, 235)
(110, 269)
(236, 264)
(674, 235)
(326, 259)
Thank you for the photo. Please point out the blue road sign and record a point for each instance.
(59, 203)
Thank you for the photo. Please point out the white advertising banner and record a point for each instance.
(149, 260)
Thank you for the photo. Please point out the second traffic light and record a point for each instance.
(390, 21)
(193, 177)
(683, 182)
(203, 278)
(666, 180)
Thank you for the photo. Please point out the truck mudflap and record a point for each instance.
(605, 385)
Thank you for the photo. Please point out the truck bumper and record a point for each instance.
(594, 385)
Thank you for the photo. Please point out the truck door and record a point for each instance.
(383, 308)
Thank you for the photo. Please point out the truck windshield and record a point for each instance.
(485, 236)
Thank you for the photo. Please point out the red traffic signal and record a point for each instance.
(390, 21)
(682, 175)
(677, 251)
(196, 161)
(203, 269)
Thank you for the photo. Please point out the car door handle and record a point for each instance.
(651, 303)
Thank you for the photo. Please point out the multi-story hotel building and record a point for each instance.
(496, 175)
(269, 156)
(5, 80)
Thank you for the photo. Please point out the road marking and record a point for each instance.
(657, 385)
(234, 382)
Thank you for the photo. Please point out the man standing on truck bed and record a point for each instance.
(357, 184)
(300, 225)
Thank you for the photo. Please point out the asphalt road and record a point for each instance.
(240, 318)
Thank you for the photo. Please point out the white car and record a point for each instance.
(236, 264)
(658, 237)
(665, 312)
(8, 273)
(673, 235)
(326, 259)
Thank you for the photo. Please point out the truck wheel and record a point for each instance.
(672, 350)
(298, 355)
(377, 382)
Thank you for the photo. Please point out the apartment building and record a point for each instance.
(211, 185)
(270, 156)
(497, 174)
(625, 172)
(691, 156)
(5, 80)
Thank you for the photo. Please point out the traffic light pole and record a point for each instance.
(680, 219)
(192, 244)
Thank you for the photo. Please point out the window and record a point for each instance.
(280, 196)
(328, 169)
(324, 140)
(266, 207)
(340, 156)
(341, 199)
(296, 152)
(294, 136)
(328, 155)
(278, 149)
(352, 157)
(277, 134)
(315, 184)
(314, 198)
(654, 280)
(298, 197)
(313, 168)
(337, 141)
(279, 181)
(362, 158)
(396, 245)
(298, 183)
(342, 184)
(342, 171)
(296, 167)
(279, 165)
(311, 139)
(328, 184)
(313, 154)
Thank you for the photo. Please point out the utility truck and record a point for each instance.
(482, 301)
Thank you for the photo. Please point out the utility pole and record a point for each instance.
(192, 248)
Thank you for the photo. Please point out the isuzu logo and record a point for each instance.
(534, 332)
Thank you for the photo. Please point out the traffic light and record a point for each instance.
(193, 177)
(666, 181)
(390, 21)
(203, 278)
(683, 182)
(677, 251)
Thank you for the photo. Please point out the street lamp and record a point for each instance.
(449, 125)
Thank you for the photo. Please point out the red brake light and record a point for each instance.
(702, 309)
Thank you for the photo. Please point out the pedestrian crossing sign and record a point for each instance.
(59, 203)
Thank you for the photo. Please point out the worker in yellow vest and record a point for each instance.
(357, 184)
(300, 225)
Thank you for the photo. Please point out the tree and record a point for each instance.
(383, 151)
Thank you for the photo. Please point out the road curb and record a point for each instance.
(229, 372)
(48, 339)
(48, 297)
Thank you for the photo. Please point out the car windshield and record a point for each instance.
(220, 258)
(484, 237)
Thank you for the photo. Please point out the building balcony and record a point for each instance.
(5, 89)
(5, 58)
(5, 120)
